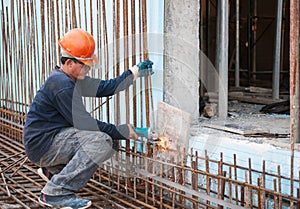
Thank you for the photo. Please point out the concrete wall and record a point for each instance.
(181, 43)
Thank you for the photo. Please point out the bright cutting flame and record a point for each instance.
(163, 142)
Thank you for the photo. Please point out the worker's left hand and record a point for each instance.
(145, 68)
(142, 69)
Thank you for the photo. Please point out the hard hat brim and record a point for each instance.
(90, 62)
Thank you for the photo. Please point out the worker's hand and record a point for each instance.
(132, 133)
(142, 69)
(116, 145)
(145, 68)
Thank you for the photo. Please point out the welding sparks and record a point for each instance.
(163, 142)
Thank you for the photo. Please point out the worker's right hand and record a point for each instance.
(132, 133)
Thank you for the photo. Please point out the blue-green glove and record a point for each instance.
(142, 69)
(145, 67)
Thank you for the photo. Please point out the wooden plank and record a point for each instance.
(238, 128)
(255, 100)
(260, 90)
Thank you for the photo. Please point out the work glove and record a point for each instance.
(145, 67)
(142, 69)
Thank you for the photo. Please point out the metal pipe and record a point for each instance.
(284, 20)
(254, 39)
(249, 42)
(223, 59)
(217, 53)
(208, 28)
(276, 66)
(237, 50)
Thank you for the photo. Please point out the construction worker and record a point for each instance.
(60, 136)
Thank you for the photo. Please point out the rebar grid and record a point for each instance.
(154, 179)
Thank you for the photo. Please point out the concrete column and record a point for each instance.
(181, 55)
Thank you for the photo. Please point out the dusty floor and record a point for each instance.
(249, 115)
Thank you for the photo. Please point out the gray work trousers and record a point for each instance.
(73, 157)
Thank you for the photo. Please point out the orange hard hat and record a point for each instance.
(79, 44)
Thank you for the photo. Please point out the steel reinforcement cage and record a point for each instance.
(154, 178)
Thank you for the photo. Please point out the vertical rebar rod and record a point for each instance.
(140, 59)
(220, 171)
(117, 65)
(230, 184)
(279, 187)
(246, 191)
(207, 177)
(195, 180)
(275, 196)
(259, 194)
(294, 83)
(145, 53)
(106, 59)
(250, 182)
(12, 66)
(235, 178)
(74, 22)
(126, 57)
(263, 183)
(277, 53)
(133, 58)
(126, 65)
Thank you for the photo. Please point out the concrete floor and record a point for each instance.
(274, 151)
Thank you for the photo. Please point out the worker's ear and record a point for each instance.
(69, 63)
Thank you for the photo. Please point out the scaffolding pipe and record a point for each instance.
(253, 46)
(277, 54)
(217, 52)
(208, 28)
(223, 59)
(237, 51)
(249, 42)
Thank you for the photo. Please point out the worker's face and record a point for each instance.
(77, 70)
(84, 69)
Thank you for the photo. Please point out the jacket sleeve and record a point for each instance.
(115, 132)
(73, 110)
(91, 87)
